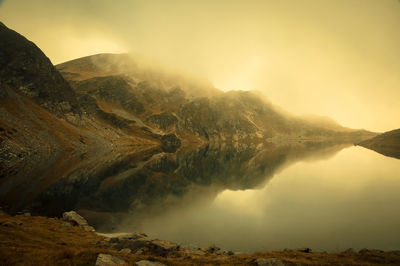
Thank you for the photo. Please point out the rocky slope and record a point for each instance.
(44, 130)
(171, 104)
(387, 143)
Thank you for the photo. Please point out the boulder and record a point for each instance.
(211, 249)
(125, 250)
(77, 220)
(269, 262)
(106, 259)
(140, 243)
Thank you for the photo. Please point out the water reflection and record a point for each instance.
(158, 182)
(350, 200)
(323, 196)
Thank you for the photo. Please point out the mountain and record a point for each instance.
(70, 123)
(42, 124)
(191, 109)
(387, 143)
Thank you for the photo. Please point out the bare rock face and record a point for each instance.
(106, 260)
(78, 220)
(140, 243)
(25, 67)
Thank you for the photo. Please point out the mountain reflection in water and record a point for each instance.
(224, 195)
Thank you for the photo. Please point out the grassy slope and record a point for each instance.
(49, 241)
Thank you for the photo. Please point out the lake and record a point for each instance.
(350, 199)
(244, 198)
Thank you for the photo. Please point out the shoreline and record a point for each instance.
(39, 240)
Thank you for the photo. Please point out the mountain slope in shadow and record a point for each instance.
(387, 143)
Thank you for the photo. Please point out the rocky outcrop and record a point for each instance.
(77, 220)
(141, 244)
(107, 260)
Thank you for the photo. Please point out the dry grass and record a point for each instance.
(49, 241)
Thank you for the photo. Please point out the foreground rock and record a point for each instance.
(77, 220)
(141, 244)
(106, 259)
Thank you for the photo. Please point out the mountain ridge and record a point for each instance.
(169, 105)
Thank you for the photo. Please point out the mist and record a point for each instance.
(334, 58)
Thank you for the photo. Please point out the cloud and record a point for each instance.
(299, 54)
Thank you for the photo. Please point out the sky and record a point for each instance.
(336, 58)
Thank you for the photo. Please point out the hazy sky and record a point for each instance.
(339, 58)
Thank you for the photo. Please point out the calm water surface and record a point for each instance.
(350, 199)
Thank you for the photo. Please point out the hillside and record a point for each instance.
(44, 134)
(180, 105)
(387, 143)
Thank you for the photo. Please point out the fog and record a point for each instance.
(337, 58)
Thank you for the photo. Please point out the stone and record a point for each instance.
(65, 224)
(230, 252)
(211, 249)
(136, 242)
(149, 263)
(74, 218)
(11, 223)
(269, 262)
(125, 250)
(78, 220)
(349, 250)
(89, 228)
(106, 259)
